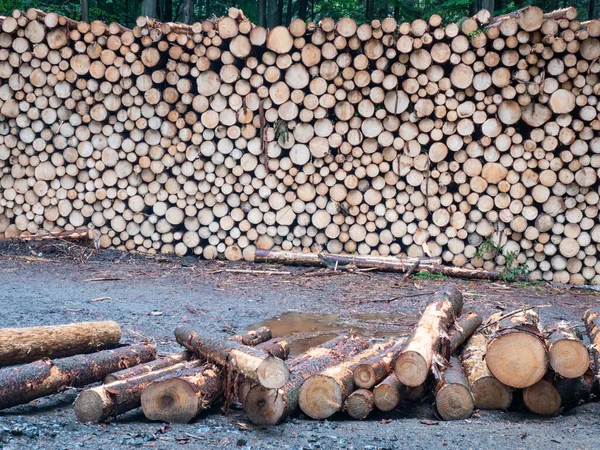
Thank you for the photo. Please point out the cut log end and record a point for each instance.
(411, 369)
(273, 373)
(171, 401)
(359, 404)
(89, 406)
(518, 360)
(542, 398)
(365, 376)
(569, 358)
(489, 393)
(320, 397)
(264, 406)
(454, 402)
(386, 397)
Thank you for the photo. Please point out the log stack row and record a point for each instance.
(477, 143)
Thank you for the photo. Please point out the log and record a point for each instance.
(542, 398)
(516, 352)
(23, 345)
(24, 383)
(378, 367)
(143, 369)
(568, 355)
(181, 398)
(107, 401)
(390, 392)
(591, 320)
(323, 394)
(269, 371)
(271, 406)
(253, 337)
(359, 404)
(487, 391)
(453, 399)
(69, 235)
(278, 348)
(462, 329)
(415, 361)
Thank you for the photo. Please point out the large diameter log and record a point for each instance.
(414, 363)
(269, 371)
(569, 357)
(22, 345)
(453, 399)
(27, 382)
(487, 391)
(181, 398)
(109, 400)
(271, 406)
(359, 404)
(142, 369)
(462, 329)
(323, 395)
(516, 352)
(378, 367)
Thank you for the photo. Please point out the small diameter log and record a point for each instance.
(152, 366)
(24, 383)
(323, 395)
(181, 398)
(253, 337)
(516, 352)
(453, 398)
(22, 345)
(278, 347)
(542, 398)
(414, 363)
(553, 393)
(591, 319)
(487, 391)
(109, 400)
(569, 357)
(378, 367)
(68, 235)
(359, 404)
(271, 406)
(269, 371)
(390, 392)
(462, 329)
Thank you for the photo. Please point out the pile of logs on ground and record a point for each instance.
(451, 360)
(476, 143)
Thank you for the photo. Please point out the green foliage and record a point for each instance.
(426, 275)
(488, 246)
(512, 273)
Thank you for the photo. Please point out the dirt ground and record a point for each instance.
(153, 295)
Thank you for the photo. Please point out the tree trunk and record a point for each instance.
(378, 367)
(85, 10)
(271, 406)
(188, 11)
(181, 398)
(261, 13)
(149, 8)
(272, 13)
(359, 404)
(22, 345)
(415, 361)
(168, 11)
(322, 395)
(152, 366)
(569, 357)
(489, 5)
(453, 399)
(302, 9)
(269, 371)
(289, 12)
(107, 401)
(487, 391)
(24, 383)
(516, 352)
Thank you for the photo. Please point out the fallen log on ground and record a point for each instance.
(591, 320)
(27, 382)
(253, 337)
(180, 398)
(23, 345)
(453, 399)
(278, 347)
(414, 362)
(109, 400)
(359, 404)
(142, 369)
(271, 406)
(487, 391)
(516, 351)
(568, 355)
(323, 394)
(84, 234)
(553, 394)
(268, 371)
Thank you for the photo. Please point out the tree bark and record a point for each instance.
(22, 345)
(152, 366)
(272, 13)
(378, 367)
(149, 8)
(271, 406)
(568, 355)
(516, 352)
(453, 399)
(188, 11)
(107, 401)
(261, 13)
(390, 392)
(415, 361)
(85, 11)
(303, 9)
(24, 383)
(359, 404)
(462, 329)
(269, 371)
(181, 398)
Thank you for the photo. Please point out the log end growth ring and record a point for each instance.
(411, 369)
(173, 401)
(454, 402)
(320, 397)
(386, 397)
(569, 358)
(542, 398)
(273, 373)
(364, 376)
(264, 406)
(489, 393)
(89, 406)
(518, 360)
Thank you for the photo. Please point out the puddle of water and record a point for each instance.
(306, 330)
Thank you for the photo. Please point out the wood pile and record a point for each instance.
(451, 359)
(474, 143)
